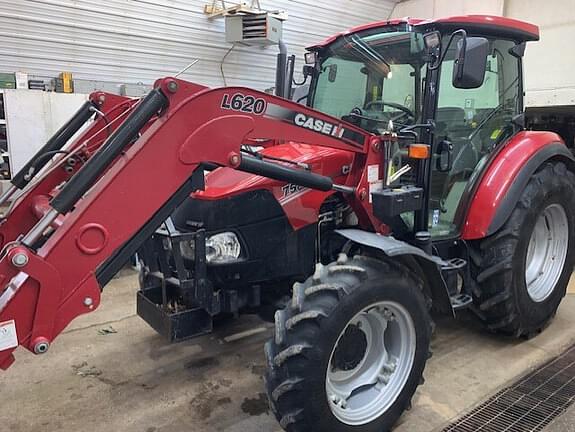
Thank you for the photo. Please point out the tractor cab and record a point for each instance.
(454, 85)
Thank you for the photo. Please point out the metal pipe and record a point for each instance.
(343, 189)
(281, 69)
(83, 180)
(278, 172)
(38, 230)
(289, 76)
(8, 194)
(58, 140)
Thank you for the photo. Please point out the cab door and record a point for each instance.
(470, 124)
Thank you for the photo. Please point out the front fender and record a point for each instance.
(501, 186)
(428, 266)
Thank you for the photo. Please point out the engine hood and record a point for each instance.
(233, 198)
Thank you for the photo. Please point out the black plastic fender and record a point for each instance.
(429, 265)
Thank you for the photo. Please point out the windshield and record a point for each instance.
(375, 75)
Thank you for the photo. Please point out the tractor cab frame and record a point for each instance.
(462, 122)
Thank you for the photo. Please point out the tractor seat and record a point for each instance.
(450, 121)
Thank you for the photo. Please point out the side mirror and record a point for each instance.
(470, 62)
(432, 40)
(444, 161)
(332, 74)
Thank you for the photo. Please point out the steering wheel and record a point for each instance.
(404, 110)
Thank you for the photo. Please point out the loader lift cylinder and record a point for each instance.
(54, 144)
(58, 140)
(85, 178)
(303, 178)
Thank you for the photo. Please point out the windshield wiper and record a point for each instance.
(373, 58)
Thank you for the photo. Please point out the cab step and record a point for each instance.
(454, 272)
(461, 301)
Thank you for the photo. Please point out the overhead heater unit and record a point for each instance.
(253, 29)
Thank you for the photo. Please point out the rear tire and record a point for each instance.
(523, 269)
(325, 345)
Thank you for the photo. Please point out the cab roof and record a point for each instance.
(487, 25)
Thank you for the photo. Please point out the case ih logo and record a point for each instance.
(259, 106)
(318, 125)
(299, 119)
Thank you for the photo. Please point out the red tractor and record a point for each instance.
(407, 181)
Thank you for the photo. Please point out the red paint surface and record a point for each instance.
(301, 207)
(495, 21)
(498, 179)
(498, 21)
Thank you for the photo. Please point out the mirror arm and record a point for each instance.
(461, 32)
(301, 82)
(429, 127)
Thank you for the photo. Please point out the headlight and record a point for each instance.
(222, 247)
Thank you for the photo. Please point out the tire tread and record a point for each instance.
(494, 296)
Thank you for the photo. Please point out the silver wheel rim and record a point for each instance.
(367, 390)
(546, 252)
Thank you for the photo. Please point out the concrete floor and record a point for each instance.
(564, 423)
(133, 381)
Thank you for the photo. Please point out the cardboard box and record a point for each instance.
(21, 80)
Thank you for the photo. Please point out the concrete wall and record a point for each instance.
(549, 63)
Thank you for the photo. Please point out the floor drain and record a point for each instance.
(527, 405)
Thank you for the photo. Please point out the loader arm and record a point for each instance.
(53, 272)
(35, 190)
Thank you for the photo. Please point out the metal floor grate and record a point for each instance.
(527, 405)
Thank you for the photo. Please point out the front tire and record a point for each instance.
(350, 349)
(523, 269)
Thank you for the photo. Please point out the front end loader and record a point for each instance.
(406, 182)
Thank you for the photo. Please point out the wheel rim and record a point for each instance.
(546, 252)
(361, 389)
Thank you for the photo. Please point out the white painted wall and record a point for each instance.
(132, 41)
(32, 117)
(549, 63)
(440, 8)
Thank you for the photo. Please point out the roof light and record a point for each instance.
(310, 57)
